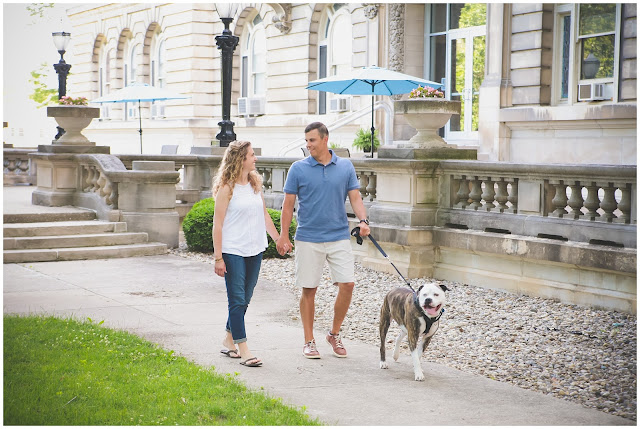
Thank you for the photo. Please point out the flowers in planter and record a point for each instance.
(426, 92)
(70, 101)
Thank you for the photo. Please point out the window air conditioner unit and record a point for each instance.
(340, 104)
(157, 111)
(251, 106)
(595, 91)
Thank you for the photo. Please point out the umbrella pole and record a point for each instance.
(372, 127)
(140, 117)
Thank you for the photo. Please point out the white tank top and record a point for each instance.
(244, 232)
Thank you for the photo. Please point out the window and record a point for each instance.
(254, 59)
(586, 54)
(455, 56)
(159, 64)
(105, 80)
(334, 46)
(133, 64)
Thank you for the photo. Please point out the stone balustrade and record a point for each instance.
(594, 204)
(18, 168)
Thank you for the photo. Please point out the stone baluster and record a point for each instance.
(94, 179)
(502, 196)
(462, 197)
(513, 196)
(592, 203)
(371, 187)
(625, 203)
(576, 202)
(609, 204)
(476, 193)
(559, 201)
(488, 194)
(266, 178)
(364, 181)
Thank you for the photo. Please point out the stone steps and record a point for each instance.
(71, 235)
(75, 240)
(78, 253)
(36, 229)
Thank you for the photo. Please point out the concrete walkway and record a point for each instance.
(181, 305)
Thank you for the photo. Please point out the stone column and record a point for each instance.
(495, 91)
(147, 200)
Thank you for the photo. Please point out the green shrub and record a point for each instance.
(197, 226)
(363, 140)
(198, 223)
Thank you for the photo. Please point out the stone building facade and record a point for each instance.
(542, 83)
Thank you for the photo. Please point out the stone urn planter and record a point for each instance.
(73, 119)
(427, 116)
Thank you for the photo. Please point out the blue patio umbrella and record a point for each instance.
(139, 92)
(371, 80)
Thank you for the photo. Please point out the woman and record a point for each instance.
(240, 224)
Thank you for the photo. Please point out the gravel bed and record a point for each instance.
(576, 353)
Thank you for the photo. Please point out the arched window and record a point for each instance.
(133, 64)
(334, 46)
(254, 59)
(106, 65)
(161, 61)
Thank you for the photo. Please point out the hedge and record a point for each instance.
(198, 223)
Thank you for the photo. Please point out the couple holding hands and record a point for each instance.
(321, 183)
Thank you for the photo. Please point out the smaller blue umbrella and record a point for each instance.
(371, 80)
(139, 92)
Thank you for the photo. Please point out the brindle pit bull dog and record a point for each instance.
(418, 317)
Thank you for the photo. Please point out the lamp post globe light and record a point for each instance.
(227, 43)
(61, 41)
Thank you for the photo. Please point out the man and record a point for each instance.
(322, 182)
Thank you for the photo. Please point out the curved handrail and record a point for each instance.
(380, 104)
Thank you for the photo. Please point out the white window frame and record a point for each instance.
(468, 34)
(325, 39)
(247, 57)
(574, 57)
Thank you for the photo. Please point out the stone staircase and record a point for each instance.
(73, 235)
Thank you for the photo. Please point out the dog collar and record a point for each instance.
(429, 321)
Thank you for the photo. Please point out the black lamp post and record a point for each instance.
(227, 43)
(61, 40)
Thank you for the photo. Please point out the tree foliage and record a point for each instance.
(41, 94)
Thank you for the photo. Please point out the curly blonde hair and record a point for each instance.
(231, 167)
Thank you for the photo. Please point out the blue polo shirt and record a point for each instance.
(322, 192)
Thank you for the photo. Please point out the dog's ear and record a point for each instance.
(420, 288)
(443, 287)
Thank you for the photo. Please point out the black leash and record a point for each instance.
(356, 233)
(429, 322)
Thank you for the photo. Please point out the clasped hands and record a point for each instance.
(283, 245)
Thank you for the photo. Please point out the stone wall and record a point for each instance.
(629, 53)
(531, 54)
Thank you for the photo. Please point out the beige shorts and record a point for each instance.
(310, 259)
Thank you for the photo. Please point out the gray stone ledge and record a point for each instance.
(573, 253)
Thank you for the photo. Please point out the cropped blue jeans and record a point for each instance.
(241, 278)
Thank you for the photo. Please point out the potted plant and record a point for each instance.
(363, 140)
(427, 111)
(73, 115)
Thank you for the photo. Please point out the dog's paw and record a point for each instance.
(419, 376)
(396, 355)
(383, 365)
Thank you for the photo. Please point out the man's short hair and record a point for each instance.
(322, 129)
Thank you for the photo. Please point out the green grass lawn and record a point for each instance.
(63, 372)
